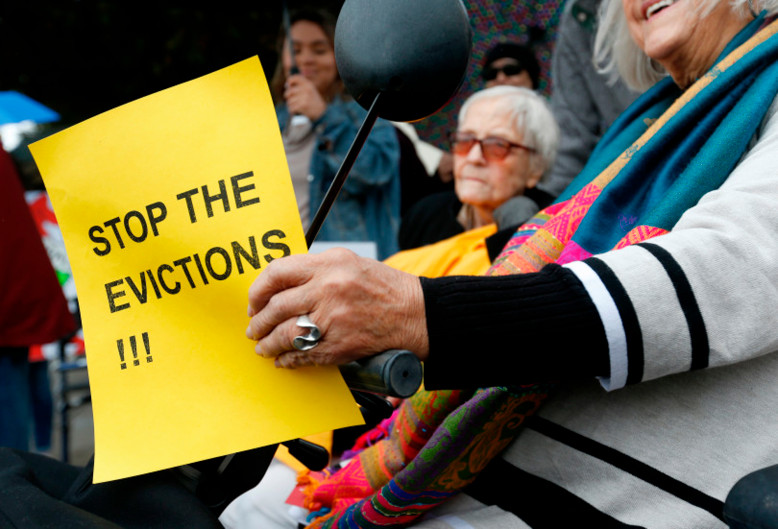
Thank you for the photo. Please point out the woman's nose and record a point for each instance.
(304, 56)
(476, 154)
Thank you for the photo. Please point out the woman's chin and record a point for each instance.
(471, 189)
(472, 198)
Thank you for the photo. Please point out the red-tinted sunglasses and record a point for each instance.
(492, 147)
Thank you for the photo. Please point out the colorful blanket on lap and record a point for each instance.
(656, 161)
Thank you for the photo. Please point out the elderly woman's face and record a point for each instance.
(486, 183)
(677, 35)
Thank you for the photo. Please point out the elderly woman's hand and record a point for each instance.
(361, 306)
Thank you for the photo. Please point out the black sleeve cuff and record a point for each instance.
(518, 329)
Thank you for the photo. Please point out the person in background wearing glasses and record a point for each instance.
(512, 64)
(505, 142)
(647, 291)
(506, 64)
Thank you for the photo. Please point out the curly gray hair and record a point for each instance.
(531, 117)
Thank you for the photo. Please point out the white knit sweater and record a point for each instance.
(691, 404)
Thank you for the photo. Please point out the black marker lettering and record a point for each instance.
(99, 240)
(228, 264)
(238, 191)
(187, 195)
(147, 346)
(200, 268)
(156, 219)
(112, 224)
(182, 264)
(167, 268)
(141, 294)
(154, 284)
(270, 245)
(253, 258)
(113, 295)
(144, 229)
(210, 199)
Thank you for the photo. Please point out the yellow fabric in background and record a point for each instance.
(463, 254)
(170, 206)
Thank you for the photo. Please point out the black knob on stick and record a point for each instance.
(402, 60)
(394, 373)
(413, 52)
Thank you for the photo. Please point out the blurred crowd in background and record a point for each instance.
(65, 62)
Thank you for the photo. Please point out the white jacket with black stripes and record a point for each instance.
(688, 403)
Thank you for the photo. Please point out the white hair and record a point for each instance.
(531, 117)
(617, 55)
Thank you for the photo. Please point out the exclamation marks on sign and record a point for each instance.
(145, 337)
(120, 347)
(134, 350)
(134, 347)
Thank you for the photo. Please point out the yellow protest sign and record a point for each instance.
(170, 206)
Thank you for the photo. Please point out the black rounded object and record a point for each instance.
(415, 52)
(394, 373)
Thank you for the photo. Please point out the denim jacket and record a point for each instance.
(368, 206)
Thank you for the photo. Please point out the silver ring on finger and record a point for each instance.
(308, 341)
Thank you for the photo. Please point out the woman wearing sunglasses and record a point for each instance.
(648, 289)
(505, 142)
(503, 147)
(511, 64)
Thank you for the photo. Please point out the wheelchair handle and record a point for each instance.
(393, 373)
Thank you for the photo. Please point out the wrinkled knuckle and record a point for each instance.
(344, 313)
(303, 360)
(335, 285)
(326, 359)
(277, 304)
(330, 287)
(340, 254)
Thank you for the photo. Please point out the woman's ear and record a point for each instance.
(536, 171)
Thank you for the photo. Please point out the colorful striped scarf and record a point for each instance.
(656, 161)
